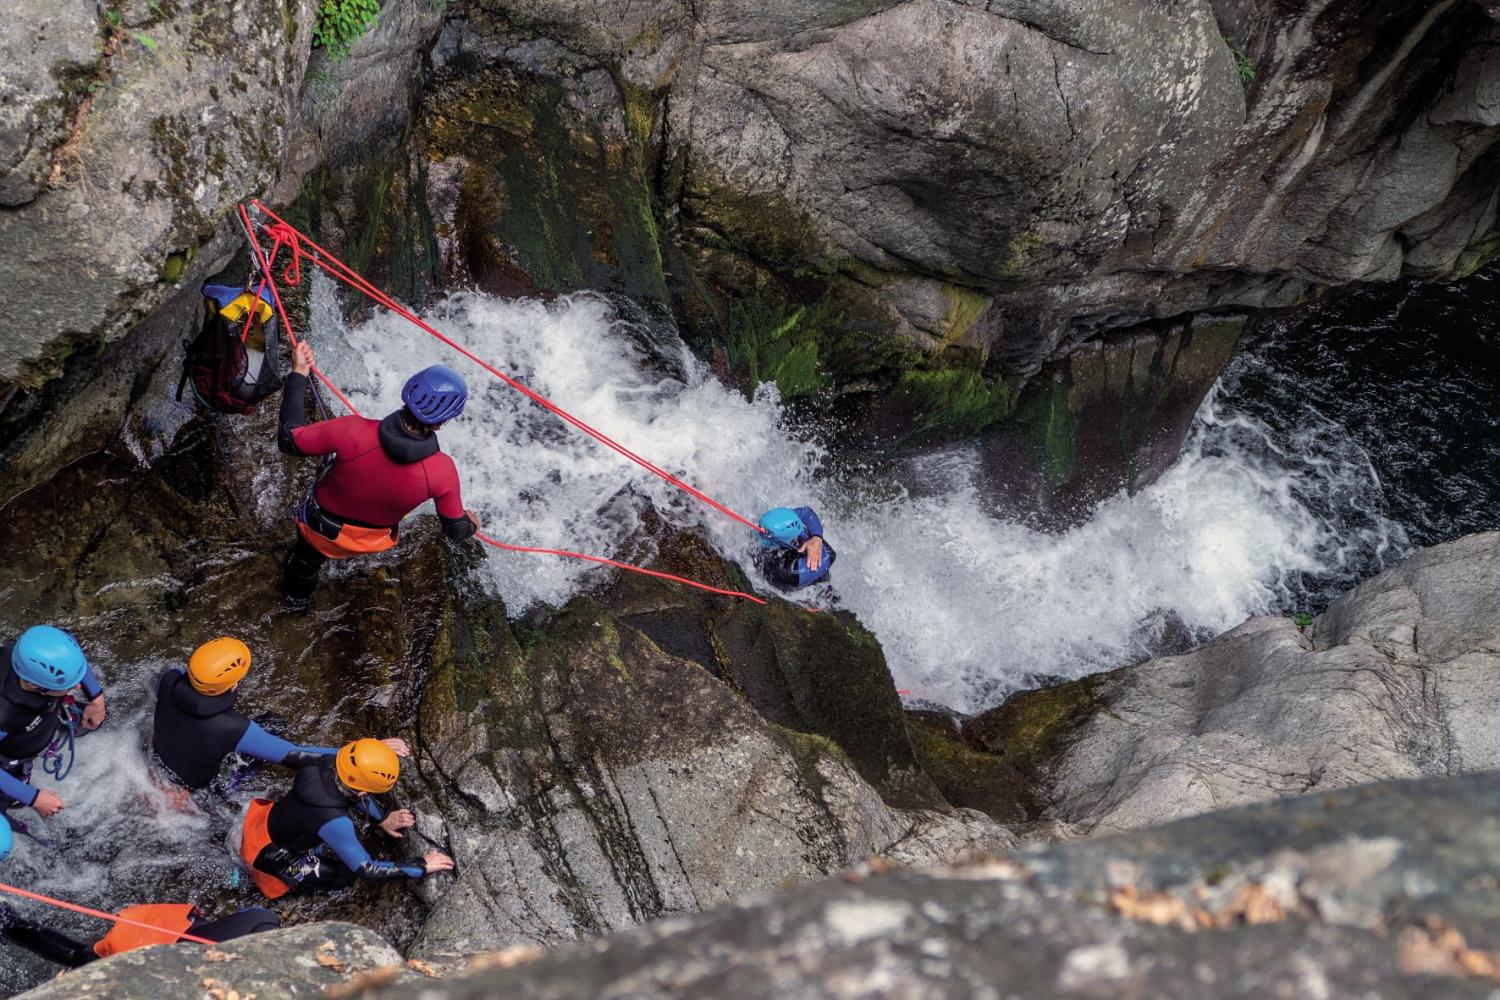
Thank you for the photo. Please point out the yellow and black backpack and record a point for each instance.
(231, 364)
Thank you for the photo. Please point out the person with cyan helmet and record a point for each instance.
(195, 726)
(382, 471)
(164, 923)
(306, 841)
(36, 699)
(793, 553)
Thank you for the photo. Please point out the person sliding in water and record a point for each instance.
(383, 470)
(173, 919)
(36, 707)
(306, 841)
(196, 726)
(792, 551)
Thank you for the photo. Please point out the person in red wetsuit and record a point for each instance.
(382, 471)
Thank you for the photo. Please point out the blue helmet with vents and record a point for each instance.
(781, 526)
(49, 658)
(435, 395)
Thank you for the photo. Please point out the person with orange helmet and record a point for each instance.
(306, 840)
(196, 727)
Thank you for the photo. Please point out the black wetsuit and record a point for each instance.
(29, 722)
(313, 841)
(192, 733)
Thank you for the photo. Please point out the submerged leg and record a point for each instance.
(302, 568)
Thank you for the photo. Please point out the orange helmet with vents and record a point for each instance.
(368, 766)
(219, 665)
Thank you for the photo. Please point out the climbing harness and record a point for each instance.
(283, 234)
(57, 759)
(116, 918)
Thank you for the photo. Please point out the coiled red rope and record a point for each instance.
(283, 234)
(86, 911)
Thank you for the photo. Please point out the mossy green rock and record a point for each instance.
(1112, 417)
(817, 673)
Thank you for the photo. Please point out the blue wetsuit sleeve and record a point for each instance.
(91, 685)
(15, 787)
(273, 749)
(340, 836)
(810, 518)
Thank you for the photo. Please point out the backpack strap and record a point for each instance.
(187, 361)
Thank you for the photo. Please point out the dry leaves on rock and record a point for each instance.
(1435, 949)
(1253, 905)
(1159, 908)
(218, 990)
(507, 958)
(328, 960)
(424, 968)
(364, 982)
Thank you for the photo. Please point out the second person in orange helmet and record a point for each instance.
(196, 725)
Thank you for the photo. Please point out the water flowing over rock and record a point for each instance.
(1401, 678)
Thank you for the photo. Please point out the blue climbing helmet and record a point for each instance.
(781, 526)
(435, 395)
(49, 658)
(7, 839)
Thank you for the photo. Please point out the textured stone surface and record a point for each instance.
(120, 189)
(1402, 680)
(1385, 890)
(591, 781)
(292, 962)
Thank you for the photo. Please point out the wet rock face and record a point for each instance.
(1381, 890)
(1085, 167)
(1401, 678)
(1010, 178)
(141, 126)
(1113, 416)
(590, 780)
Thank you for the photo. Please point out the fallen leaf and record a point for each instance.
(507, 958)
(364, 982)
(424, 968)
(215, 955)
(1157, 908)
(328, 960)
(1253, 905)
(1436, 949)
(220, 991)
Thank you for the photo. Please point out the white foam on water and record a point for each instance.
(120, 837)
(967, 605)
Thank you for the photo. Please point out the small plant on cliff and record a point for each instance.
(1242, 62)
(342, 22)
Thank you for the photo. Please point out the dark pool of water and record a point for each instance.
(1407, 375)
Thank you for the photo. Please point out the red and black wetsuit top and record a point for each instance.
(381, 472)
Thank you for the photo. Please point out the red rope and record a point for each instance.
(565, 553)
(74, 907)
(286, 324)
(346, 274)
(618, 565)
